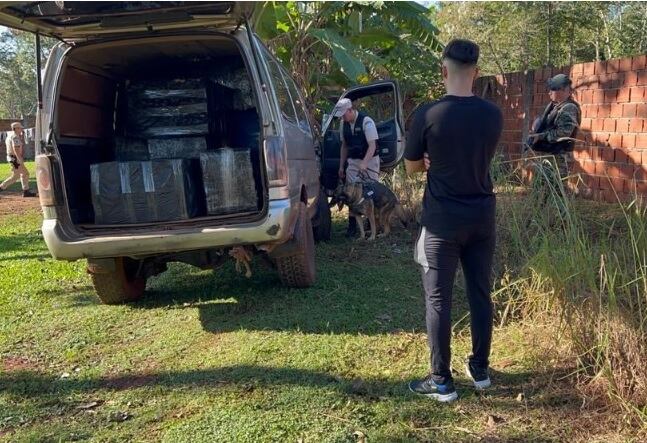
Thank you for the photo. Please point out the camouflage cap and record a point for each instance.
(462, 51)
(558, 82)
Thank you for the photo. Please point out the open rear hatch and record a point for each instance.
(159, 130)
(72, 21)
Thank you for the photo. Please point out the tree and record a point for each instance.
(328, 46)
(524, 35)
(18, 72)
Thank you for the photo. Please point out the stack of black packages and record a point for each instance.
(146, 191)
(170, 115)
(228, 181)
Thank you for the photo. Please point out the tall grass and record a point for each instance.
(576, 267)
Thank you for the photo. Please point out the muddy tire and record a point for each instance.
(297, 270)
(119, 285)
(322, 232)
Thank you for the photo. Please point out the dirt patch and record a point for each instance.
(15, 363)
(12, 203)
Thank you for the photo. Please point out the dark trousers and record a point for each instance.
(439, 253)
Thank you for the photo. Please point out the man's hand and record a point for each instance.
(363, 165)
(427, 161)
(341, 172)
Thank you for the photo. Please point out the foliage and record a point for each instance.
(18, 72)
(525, 35)
(328, 46)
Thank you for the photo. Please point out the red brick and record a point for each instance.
(601, 168)
(622, 124)
(598, 124)
(586, 97)
(642, 77)
(607, 154)
(586, 124)
(628, 141)
(613, 65)
(604, 110)
(631, 78)
(620, 155)
(637, 94)
(600, 68)
(598, 96)
(576, 70)
(596, 153)
(615, 141)
(639, 62)
(623, 95)
(641, 110)
(617, 80)
(618, 184)
(635, 157)
(637, 124)
(588, 166)
(641, 141)
(615, 110)
(609, 124)
(589, 68)
(610, 95)
(624, 64)
(629, 110)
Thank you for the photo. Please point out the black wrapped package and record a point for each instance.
(147, 191)
(131, 149)
(228, 181)
(162, 108)
(184, 147)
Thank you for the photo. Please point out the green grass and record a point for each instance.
(213, 356)
(5, 171)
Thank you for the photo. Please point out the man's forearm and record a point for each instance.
(370, 152)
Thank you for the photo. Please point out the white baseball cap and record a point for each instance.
(16, 125)
(342, 106)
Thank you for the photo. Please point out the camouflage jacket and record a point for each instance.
(560, 120)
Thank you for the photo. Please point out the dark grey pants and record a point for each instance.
(438, 253)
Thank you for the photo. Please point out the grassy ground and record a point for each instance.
(212, 356)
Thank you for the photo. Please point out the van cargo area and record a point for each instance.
(162, 130)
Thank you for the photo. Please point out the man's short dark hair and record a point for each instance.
(462, 51)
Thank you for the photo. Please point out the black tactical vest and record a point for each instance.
(356, 139)
(548, 123)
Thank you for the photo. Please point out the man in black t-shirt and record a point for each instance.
(459, 134)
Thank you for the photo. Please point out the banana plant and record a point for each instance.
(328, 46)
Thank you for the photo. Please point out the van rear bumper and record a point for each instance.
(274, 228)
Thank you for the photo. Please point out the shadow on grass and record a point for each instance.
(539, 388)
(361, 288)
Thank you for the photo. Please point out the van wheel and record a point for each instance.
(322, 231)
(297, 270)
(120, 285)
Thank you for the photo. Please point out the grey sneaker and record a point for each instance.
(479, 377)
(444, 393)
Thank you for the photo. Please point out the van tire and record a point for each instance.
(297, 270)
(322, 232)
(120, 285)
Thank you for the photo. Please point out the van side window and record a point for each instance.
(298, 102)
(282, 94)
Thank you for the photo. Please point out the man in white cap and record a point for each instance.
(15, 144)
(358, 147)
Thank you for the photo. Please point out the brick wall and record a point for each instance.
(612, 155)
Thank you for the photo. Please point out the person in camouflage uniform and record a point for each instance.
(555, 131)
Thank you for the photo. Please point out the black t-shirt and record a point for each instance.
(460, 134)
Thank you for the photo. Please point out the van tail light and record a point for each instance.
(276, 160)
(44, 181)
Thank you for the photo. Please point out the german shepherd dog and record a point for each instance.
(371, 200)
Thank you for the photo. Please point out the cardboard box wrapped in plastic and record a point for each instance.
(146, 191)
(228, 181)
